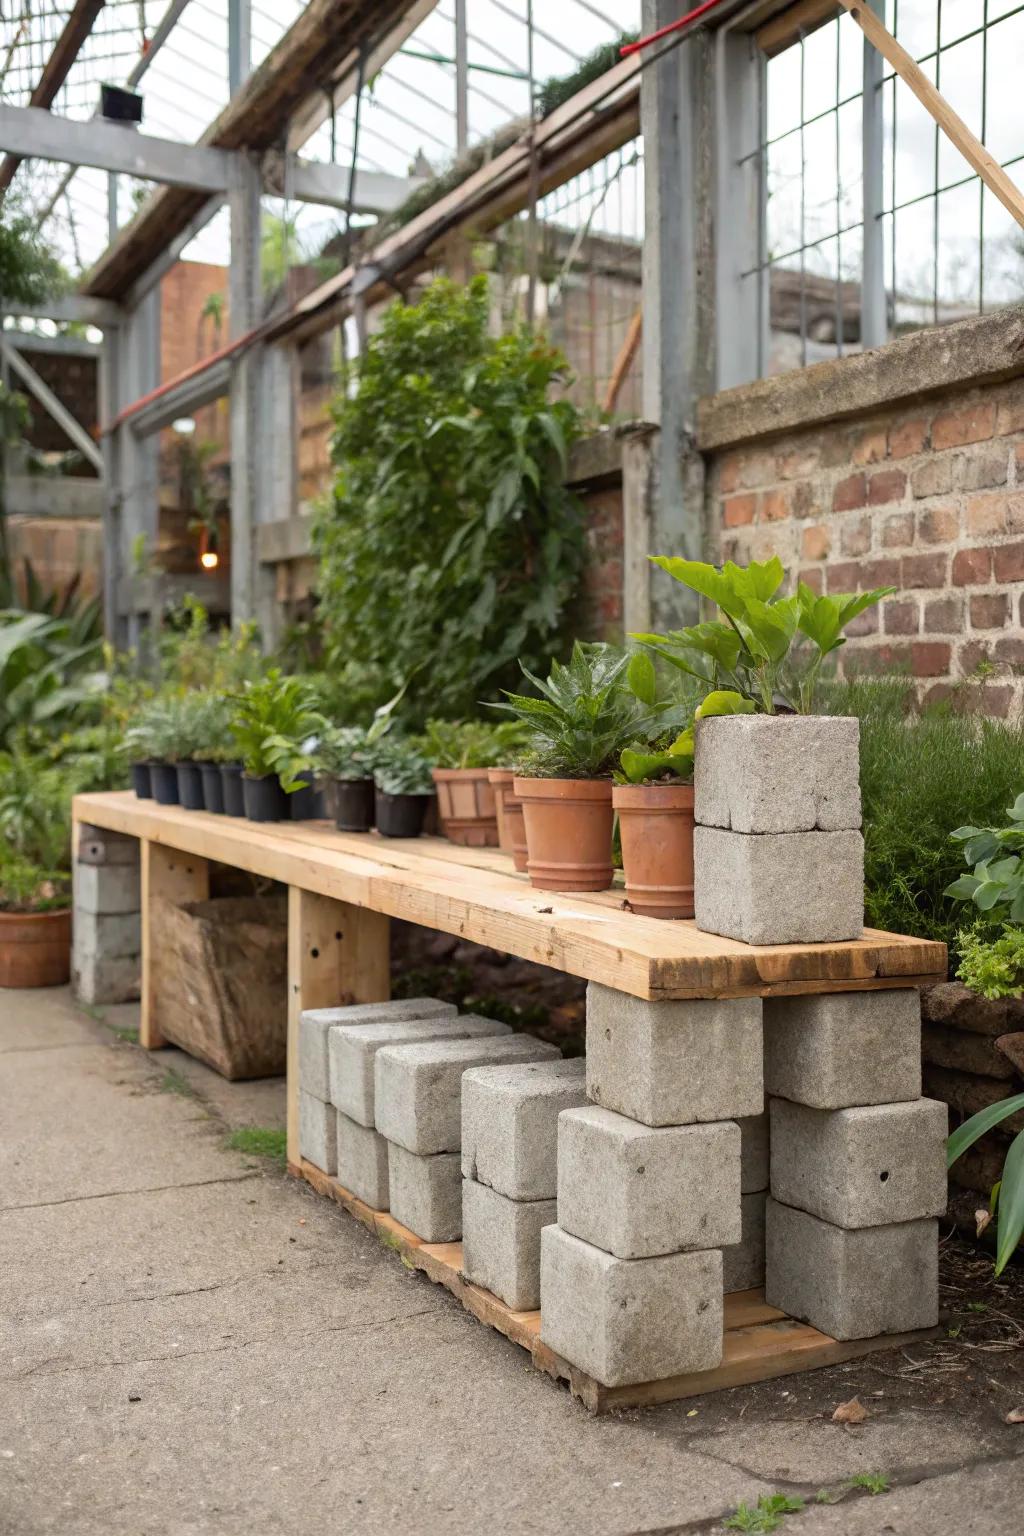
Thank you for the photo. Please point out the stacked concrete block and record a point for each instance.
(107, 931)
(743, 1262)
(778, 852)
(418, 1110)
(510, 1171)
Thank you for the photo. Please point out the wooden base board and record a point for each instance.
(760, 1341)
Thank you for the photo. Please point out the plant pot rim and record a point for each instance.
(639, 797)
(348, 778)
(447, 774)
(33, 917)
(260, 778)
(406, 794)
(555, 789)
(501, 775)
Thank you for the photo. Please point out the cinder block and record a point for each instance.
(861, 1167)
(638, 1192)
(117, 936)
(779, 887)
(510, 1124)
(743, 1262)
(418, 1088)
(318, 1132)
(314, 1070)
(755, 1172)
(674, 1063)
(425, 1193)
(844, 1048)
(362, 1162)
(501, 1243)
(629, 1320)
(98, 979)
(852, 1285)
(351, 1049)
(107, 888)
(778, 773)
(98, 846)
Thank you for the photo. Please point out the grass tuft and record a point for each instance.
(173, 1082)
(871, 1482)
(260, 1141)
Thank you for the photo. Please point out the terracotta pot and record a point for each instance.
(656, 828)
(35, 949)
(511, 826)
(568, 832)
(466, 807)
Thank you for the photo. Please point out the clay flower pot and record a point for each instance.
(466, 807)
(656, 828)
(35, 949)
(511, 825)
(568, 832)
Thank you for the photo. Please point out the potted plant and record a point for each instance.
(511, 822)
(35, 924)
(404, 789)
(345, 758)
(271, 719)
(211, 747)
(190, 745)
(584, 718)
(153, 739)
(463, 752)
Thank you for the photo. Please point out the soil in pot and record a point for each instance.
(353, 804)
(265, 800)
(466, 807)
(400, 815)
(656, 829)
(511, 826)
(231, 784)
(213, 787)
(164, 779)
(190, 787)
(141, 781)
(35, 949)
(568, 832)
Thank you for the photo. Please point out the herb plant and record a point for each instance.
(996, 885)
(401, 769)
(668, 755)
(345, 753)
(472, 743)
(275, 728)
(28, 888)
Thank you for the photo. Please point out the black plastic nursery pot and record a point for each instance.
(353, 805)
(190, 787)
(401, 815)
(265, 800)
(213, 787)
(164, 779)
(231, 785)
(307, 803)
(142, 782)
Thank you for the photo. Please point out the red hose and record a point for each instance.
(673, 26)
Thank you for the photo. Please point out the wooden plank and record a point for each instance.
(624, 361)
(168, 875)
(337, 954)
(782, 31)
(438, 885)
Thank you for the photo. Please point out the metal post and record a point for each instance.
(740, 314)
(239, 43)
(874, 318)
(461, 78)
(138, 354)
(243, 305)
(277, 491)
(110, 404)
(111, 207)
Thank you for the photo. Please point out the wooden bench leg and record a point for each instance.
(337, 954)
(167, 875)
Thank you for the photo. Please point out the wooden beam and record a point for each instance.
(796, 21)
(42, 135)
(624, 361)
(56, 69)
(167, 875)
(954, 127)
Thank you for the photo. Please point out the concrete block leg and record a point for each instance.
(844, 1049)
(501, 1243)
(318, 1133)
(362, 1162)
(425, 1193)
(107, 925)
(510, 1124)
(743, 1262)
(316, 1023)
(779, 887)
(351, 1049)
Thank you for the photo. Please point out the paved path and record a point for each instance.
(191, 1342)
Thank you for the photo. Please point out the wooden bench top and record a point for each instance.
(476, 894)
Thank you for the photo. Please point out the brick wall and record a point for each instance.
(58, 549)
(925, 496)
(75, 382)
(601, 589)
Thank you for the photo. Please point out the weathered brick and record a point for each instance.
(968, 424)
(901, 618)
(971, 567)
(855, 536)
(937, 525)
(844, 576)
(978, 470)
(737, 510)
(923, 571)
(944, 615)
(870, 447)
(1010, 411)
(908, 437)
(898, 530)
(1018, 458)
(836, 448)
(865, 623)
(813, 579)
(729, 472)
(985, 515)
(816, 542)
(797, 463)
(930, 658)
(885, 486)
(806, 500)
(933, 478)
(850, 494)
(775, 505)
(1008, 562)
(989, 610)
(972, 655)
(756, 469)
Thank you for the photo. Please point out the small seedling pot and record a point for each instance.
(656, 829)
(400, 815)
(164, 779)
(568, 832)
(353, 804)
(511, 825)
(190, 787)
(35, 949)
(307, 803)
(265, 800)
(141, 781)
(231, 784)
(466, 807)
(213, 787)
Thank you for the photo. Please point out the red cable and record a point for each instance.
(673, 26)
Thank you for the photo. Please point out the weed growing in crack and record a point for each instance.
(260, 1141)
(871, 1482)
(768, 1515)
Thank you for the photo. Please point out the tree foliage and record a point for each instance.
(29, 272)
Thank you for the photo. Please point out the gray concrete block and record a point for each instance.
(674, 1063)
(97, 845)
(314, 1070)
(510, 1124)
(779, 888)
(501, 1243)
(638, 1192)
(107, 888)
(844, 1048)
(743, 1262)
(418, 1088)
(362, 1162)
(861, 1167)
(755, 1172)
(318, 1132)
(116, 936)
(778, 773)
(351, 1049)
(98, 979)
(852, 1285)
(630, 1320)
(425, 1193)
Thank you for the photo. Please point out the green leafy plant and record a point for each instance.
(345, 753)
(275, 727)
(751, 660)
(1008, 1194)
(154, 735)
(472, 743)
(50, 671)
(766, 1515)
(669, 754)
(996, 885)
(992, 964)
(871, 1482)
(28, 888)
(401, 769)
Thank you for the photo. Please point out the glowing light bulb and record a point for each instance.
(209, 560)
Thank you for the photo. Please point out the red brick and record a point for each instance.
(887, 485)
(775, 506)
(844, 576)
(729, 473)
(1010, 411)
(756, 469)
(995, 700)
(970, 424)
(798, 463)
(972, 655)
(1010, 649)
(986, 514)
(850, 494)
(972, 567)
(870, 447)
(983, 467)
(816, 542)
(897, 530)
(737, 510)
(806, 501)
(865, 623)
(901, 618)
(923, 571)
(938, 525)
(929, 658)
(933, 478)
(1008, 562)
(944, 615)
(881, 573)
(815, 579)
(855, 536)
(908, 437)
(836, 448)
(989, 610)
(1018, 457)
